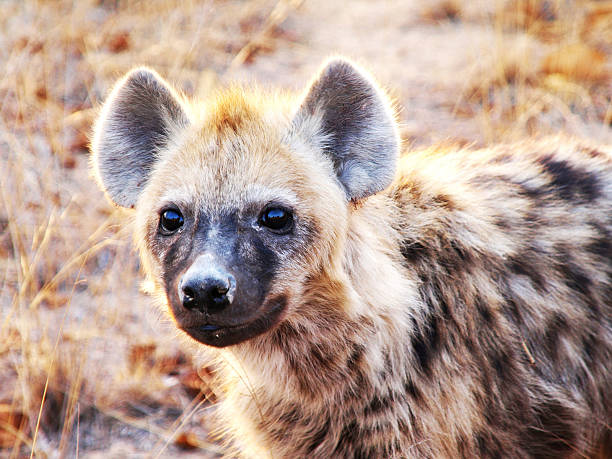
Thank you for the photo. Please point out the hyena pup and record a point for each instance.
(445, 303)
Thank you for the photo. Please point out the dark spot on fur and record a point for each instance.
(387, 450)
(601, 247)
(355, 388)
(379, 404)
(387, 368)
(403, 426)
(601, 244)
(323, 358)
(375, 405)
(444, 309)
(425, 343)
(533, 219)
(481, 443)
(412, 390)
(552, 434)
(318, 437)
(444, 201)
(296, 366)
(484, 310)
(413, 251)
(356, 357)
(365, 453)
(502, 364)
(575, 278)
(488, 446)
(503, 224)
(279, 418)
(512, 311)
(291, 416)
(348, 437)
(283, 334)
(463, 445)
(397, 447)
(595, 154)
(464, 255)
(592, 346)
(571, 182)
(362, 383)
(557, 326)
(524, 264)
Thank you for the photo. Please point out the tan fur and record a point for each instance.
(464, 311)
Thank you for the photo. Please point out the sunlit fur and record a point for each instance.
(464, 311)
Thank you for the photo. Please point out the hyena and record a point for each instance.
(441, 303)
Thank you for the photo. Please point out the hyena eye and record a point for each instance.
(277, 219)
(170, 221)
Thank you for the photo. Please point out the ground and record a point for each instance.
(89, 366)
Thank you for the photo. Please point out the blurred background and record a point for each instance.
(89, 367)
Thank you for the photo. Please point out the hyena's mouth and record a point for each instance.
(218, 335)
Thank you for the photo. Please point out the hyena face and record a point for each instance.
(239, 201)
(228, 230)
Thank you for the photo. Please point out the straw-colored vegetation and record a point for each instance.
(88, 366)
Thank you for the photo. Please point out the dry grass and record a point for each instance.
(87, 366)
(548, 71)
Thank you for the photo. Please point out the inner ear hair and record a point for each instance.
(357, 123)
(137, 121)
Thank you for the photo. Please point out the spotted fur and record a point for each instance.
(462, 308)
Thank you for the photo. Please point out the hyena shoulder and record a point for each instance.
(512, 246)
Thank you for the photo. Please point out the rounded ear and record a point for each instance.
(137, 121)
(357, 127)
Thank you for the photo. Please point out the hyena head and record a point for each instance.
(241, 200)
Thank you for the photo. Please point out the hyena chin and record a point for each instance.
(448, 303)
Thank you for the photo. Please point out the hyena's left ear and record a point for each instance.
(358, 127)
(137, 121)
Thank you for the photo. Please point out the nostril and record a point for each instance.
(219, 290)
(190, 300)
(188, 291)
(217, 296)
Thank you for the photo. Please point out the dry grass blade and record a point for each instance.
(278, 15)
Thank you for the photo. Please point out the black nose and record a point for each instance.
(209, 293)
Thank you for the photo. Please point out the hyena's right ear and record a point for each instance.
(137, 120)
